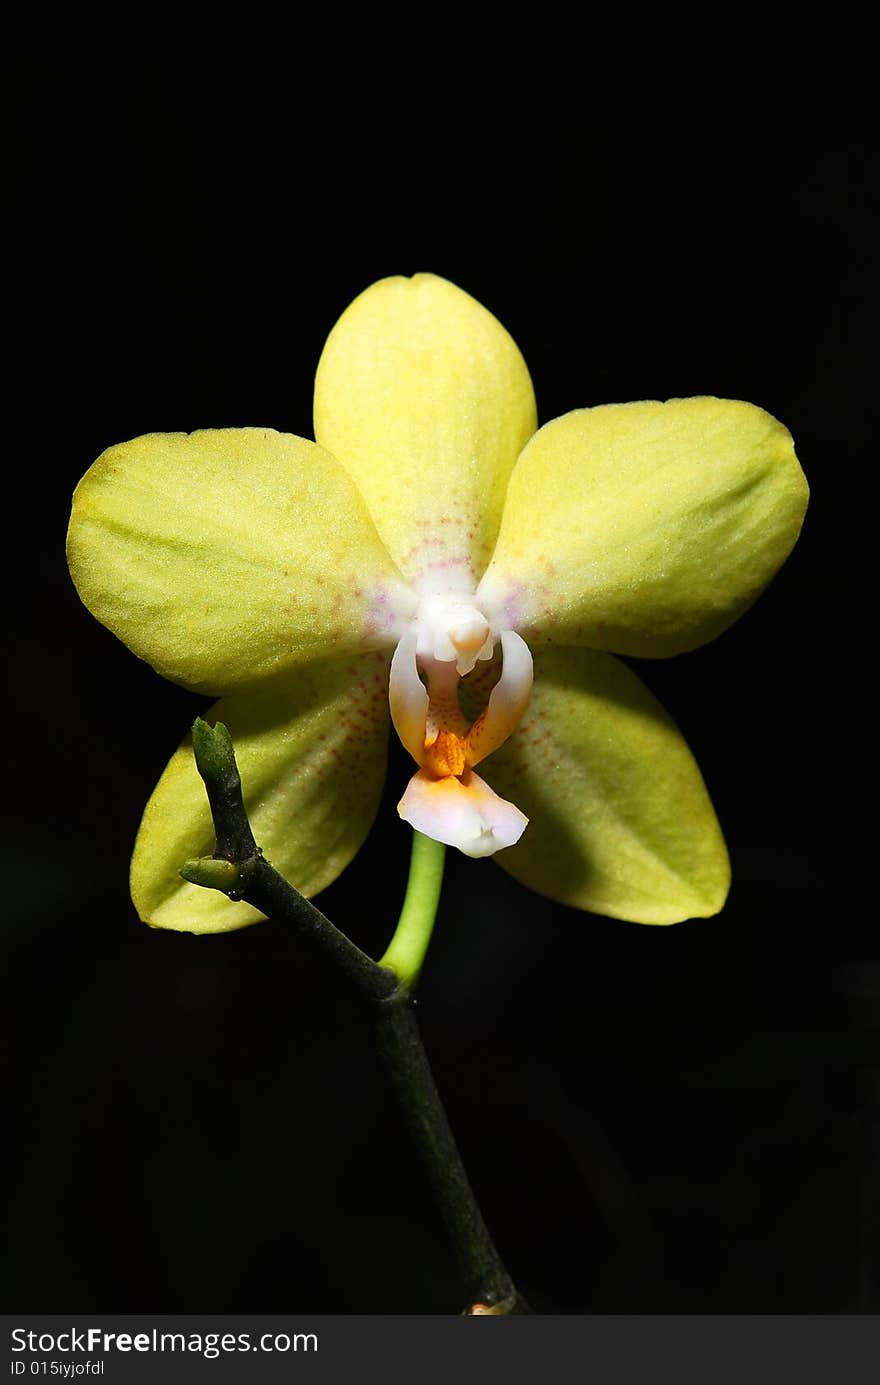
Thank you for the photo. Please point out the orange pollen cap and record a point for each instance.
(446, 754)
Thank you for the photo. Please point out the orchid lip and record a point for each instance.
(462, 812)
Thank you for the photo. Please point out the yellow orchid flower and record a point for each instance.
(431, 525)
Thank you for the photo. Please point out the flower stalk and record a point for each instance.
(239, 870)
(405, 954)
(482, 1270)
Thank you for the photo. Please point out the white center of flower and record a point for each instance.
(450, 627)
(445, 799)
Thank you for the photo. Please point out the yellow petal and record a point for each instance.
(311, 749)
(620, 822)
(227, 555)
(645, 528)
(427, 401)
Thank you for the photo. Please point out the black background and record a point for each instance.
(656, 1120)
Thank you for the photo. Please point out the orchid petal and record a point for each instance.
(508, 700)
(620, 820)
(311, 751)
(647, 528)
(408, 697)
(227, 555)
(427, 402)
(463, 812)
